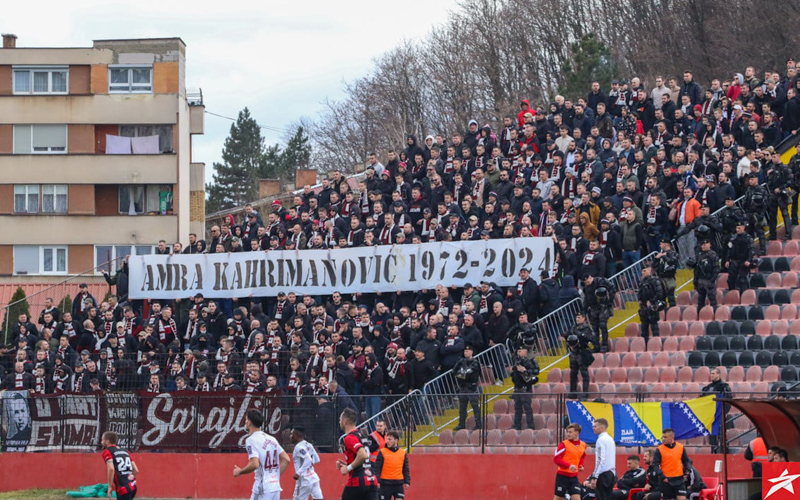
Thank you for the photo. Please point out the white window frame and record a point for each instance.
(41, 251)
(40, 69)
(50, 150)
(114, 255)
(133, 88)
(55, 250)
(28, 192)
(56, 188)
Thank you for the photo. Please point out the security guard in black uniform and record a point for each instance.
(730, 216)
(598, 297)
(778, 185)
(468, 374)
(794, 171)
(741, 253)
(524, 374)
(651, 301)
(580, 342)
(706, 271)
(706, 227)
(666, 264)
(755, 206)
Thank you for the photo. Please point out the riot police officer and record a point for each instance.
(779, 197)
(706, 227)
(580, 342)
(706, 271)
(794, 172)
(468, 373)
(598, 297)
(666, 264)
(742, 251)
(755, 205)
(651, 301)
(524, 374)
(730, 216)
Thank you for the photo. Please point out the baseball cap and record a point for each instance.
(276, 202)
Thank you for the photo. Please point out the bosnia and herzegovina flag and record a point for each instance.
(641, 424)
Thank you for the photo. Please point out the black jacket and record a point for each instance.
(524, 381)
(635, 478)
(468, 374)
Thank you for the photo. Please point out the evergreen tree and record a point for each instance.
(17, 305)
(280, 163)
(65, 304)
(590, 61)
(235, 179)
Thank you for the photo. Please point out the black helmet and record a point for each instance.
(601, 292)
(572, 340)
(702, 228)
(758, 199)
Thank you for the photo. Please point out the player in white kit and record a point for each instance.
(305, 456)
(267, 460)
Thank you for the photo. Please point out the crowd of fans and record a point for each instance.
(609, 177)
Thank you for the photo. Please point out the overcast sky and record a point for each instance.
(281, 59)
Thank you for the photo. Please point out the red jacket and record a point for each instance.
(521, 114)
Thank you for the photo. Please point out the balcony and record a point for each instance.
(121, 109)
(87, 229)
(89, 169)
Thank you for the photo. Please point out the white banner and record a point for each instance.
(321, 272)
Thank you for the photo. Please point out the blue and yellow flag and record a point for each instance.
(641, 424)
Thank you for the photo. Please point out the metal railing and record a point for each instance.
(58, 292)
(550, 329)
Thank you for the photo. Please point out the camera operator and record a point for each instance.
(778, 186)
(598, 297)
(755, 205)
(468, 373)
(651, 301)
(580, 342)
(706, 271)
(524, 374)
(741, 256)
(667, 261)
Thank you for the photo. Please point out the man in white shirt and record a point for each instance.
(267, 460)
(604, 476)
(305, 456)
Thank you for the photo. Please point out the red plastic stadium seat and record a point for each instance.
(683, 299)
(775, 249)
(780, 327)
(674, 313)
(794, 327)
(665, 328)
(762, 388)
(619, 375)
(526, 437)
(790, 280)
(764, 328)
(772, 374)
(632, 330)
(629, 360)
(687, 344)
(670, 344)
(732, 297)
(505, 422)
(500, 407)
(680, 329)
(789, 312)
(796, 293)
(635, 375)
(706, 314)
(645, 360)
(661, 360)
(548, 406)
(668, 375)
(554, 375)
(697, 329)
(599, 360)
(702, 375)
(462, 437)
(690, 313)
(773, 312)
(446, 437)
(723, 313)
(795, 264)
(796, 233)
(494, 438)
(651, 375)
(612, 360)
(510, 437)
(685, 374)
(600, 375)
(654, 344)
(774, 280)
(753, 374)
(790, 249)
(748, 297)
(638, 345)
(677, 359)
(736, 374)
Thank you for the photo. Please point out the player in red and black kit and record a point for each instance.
(121, 470)
(362, 484)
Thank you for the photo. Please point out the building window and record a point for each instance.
(105, 256)
(164, 133)
(150, 198)
(40, 139)
(26, 198)
(127, 79)
(54, 198)
(41, 80)
(30, 259)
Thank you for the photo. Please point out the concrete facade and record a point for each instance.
(59, 108)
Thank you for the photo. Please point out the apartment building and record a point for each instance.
(95, 154)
